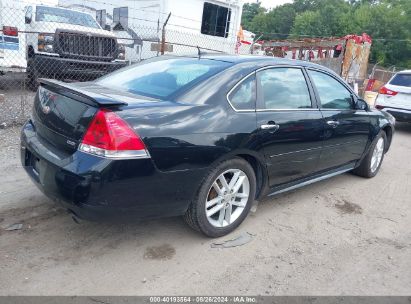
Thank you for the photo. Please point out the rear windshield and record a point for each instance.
(403, 80)
(60, 15)
(163, 78)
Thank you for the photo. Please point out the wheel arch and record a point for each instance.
(259, 171)
(256, 162)
(388, 132)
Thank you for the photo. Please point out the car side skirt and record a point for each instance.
(312, 179)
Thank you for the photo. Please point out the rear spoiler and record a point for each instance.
(80, 94)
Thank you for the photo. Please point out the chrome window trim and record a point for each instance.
(340, 109)
(234, 87)
(345, 85)
(314, 108)
(301, 68)
(279, 110)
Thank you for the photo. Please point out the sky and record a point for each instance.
(270, 3)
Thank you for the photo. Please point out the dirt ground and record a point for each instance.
(343, 236)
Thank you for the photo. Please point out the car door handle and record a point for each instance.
(272, 126)
(333, 123)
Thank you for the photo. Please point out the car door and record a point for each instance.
(346, 129)
(290, 125)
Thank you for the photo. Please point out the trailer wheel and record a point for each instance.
(32, 76)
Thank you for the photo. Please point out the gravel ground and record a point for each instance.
(343, 236)
(16, 103)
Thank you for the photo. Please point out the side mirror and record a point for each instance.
(27, 20)
(107, 27)
(361, 104)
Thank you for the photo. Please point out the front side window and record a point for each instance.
(283, 88)
(162, 78)
(216, 20)
(333, 95)
(243, 97)
(61, 15)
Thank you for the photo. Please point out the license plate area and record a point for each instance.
(33, 162)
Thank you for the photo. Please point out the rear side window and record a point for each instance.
(332, 93)
(162, 78)
(403, 80)
(243, 97)
(283, 88)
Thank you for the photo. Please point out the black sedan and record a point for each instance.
(200, 137)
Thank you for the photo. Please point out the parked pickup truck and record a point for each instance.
(65, 43)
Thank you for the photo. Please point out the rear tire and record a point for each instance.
(371, 163)
(223, 199)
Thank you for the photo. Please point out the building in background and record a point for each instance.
(211, 24)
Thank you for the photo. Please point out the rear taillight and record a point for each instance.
(111, 137)
(10, 31)
(386, 91)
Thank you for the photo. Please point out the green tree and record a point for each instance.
(308, 23)
(388, 22)
(250, 10)
(275, 24)
(332, 18)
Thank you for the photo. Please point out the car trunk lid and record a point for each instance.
(62, 112)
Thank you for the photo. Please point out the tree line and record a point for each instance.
(388, 22)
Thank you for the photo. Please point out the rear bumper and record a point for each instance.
(96, 188)
(401, 115)
(49, 66)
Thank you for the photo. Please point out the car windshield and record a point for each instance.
(54, 14)
(162, 78)
(403, 80)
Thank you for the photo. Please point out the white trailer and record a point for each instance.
(209, 24)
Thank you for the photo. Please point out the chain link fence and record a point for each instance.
(70, 44)
(78, 40)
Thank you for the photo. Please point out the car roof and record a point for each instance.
(404, 72)
(258, 59)
(251, 59)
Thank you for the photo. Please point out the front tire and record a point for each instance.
(224, 198)
(371, 163)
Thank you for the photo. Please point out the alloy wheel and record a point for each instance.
(377, 155)
(227, 198)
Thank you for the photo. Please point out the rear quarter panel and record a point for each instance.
(186, 137)
(379, 121)
(198, 130)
